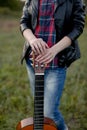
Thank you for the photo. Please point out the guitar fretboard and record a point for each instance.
(39, 102)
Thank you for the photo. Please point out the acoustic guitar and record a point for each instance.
(38, 121)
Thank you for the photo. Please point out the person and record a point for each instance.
(51, 29)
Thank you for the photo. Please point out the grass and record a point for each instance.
(15, 98)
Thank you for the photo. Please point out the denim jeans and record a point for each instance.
(54, 79)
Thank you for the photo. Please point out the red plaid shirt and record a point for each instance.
(45, 28)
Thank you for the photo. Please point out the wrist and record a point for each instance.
(31, 40)
(55, 50)
(29, 36)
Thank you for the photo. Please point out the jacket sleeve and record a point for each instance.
(78, 20)
(25, 21)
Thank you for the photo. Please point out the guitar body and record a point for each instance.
(27, 124)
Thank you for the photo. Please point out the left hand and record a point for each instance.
(48, 56)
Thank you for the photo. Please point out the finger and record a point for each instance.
(38, 57)
(33, 49)
(40, 46)
(37, 48)
(43, 48)
(47, 60)
(42, 56)
(41, 59)
(46, 45)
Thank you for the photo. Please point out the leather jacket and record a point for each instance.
(69, 19)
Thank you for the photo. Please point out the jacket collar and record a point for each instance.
(35, 4)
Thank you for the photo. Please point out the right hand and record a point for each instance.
(38, 46)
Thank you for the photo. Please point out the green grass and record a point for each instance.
(15, 99)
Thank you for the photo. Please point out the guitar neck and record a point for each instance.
(39, 102)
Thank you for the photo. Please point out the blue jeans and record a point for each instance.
(54, 79)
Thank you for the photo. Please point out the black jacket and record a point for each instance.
(69, 21)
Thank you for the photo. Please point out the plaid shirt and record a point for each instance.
(45, 28)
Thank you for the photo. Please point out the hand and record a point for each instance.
(38, 46)
(48, 56)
